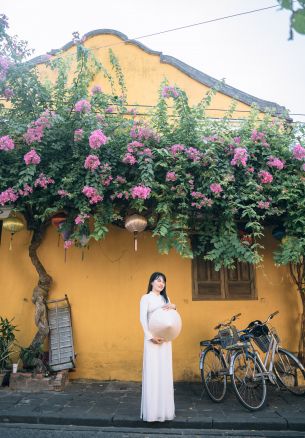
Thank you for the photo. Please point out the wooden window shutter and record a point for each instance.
(226, 284)
(208, 284)
(240, 282)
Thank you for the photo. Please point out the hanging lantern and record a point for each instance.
(5, 212)
(279, 232)
(83, 242)
(13, 225)
(65, 232)
(58, 219)
(135, 224)
(246, 239)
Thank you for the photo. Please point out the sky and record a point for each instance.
(251, 52)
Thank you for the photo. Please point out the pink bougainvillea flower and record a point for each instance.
(298, 152)
(36, 129)
(6, 143)
(176, 148)
(276, 162)
(143, 132)
(33, 134)
(201, 200)
(92, 194)
(216, 188)
(106, 181)
(80, 219)
(109, 109)
(170, 91)
(26, 190)
(82, 106)
(78, 134)
(171, 176)
(31, 157)
(193, 154)
(134, 145)
(68, 244)
(8, 93)
(96, 89)
(140, 192)
(4, 66)
(97, 139)
(263, 204)
(258, 136)
(63, 193)
(8, 195)
(43, 181)
(92, 162)
(265, 177)
(129, 159)
(240, 157)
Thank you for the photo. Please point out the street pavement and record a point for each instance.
(49, 431)
(113, 405)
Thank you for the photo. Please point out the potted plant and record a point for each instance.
(7, 342)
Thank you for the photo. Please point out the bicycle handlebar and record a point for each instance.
(225, 324)
(257, 324)
(274, 314)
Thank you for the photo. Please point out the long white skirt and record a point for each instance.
(157, 402)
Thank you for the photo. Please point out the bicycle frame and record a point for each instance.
(267, 370)
(227, 354)
(267, 363)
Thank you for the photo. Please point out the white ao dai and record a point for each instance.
(157, 402)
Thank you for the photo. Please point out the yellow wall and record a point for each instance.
(105, 288)
(143, 74)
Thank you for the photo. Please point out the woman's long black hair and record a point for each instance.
(153, 277)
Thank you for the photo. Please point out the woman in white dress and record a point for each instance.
(157, 402)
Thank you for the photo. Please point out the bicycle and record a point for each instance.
(249, 373)
(216, 357)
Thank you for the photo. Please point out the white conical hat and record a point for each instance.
(166, 324)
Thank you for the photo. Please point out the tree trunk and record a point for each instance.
(41, 291)
(302, 333)
(297, 272)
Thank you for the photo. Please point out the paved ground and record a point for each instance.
(117, 404)
(21, 430)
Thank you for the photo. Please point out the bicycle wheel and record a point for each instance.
(248, 381)
(289, 372)
(213, 374)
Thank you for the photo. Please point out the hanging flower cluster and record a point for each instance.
(6, 143)
(82, 106)
(31, 157)
(97, 139)
(95, 157)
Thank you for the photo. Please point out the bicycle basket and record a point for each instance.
(262, 335)
(228, 336)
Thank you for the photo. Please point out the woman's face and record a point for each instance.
(158, 284)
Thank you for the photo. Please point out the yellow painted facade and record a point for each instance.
(105, 288)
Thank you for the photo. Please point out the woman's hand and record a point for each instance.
(169, 306)
(157, 340)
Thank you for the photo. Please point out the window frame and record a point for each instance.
(224, 285)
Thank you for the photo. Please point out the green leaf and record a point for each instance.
(286, 4)
(298, 21)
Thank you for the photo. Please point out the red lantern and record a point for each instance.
(246, 239)
(58, 219)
